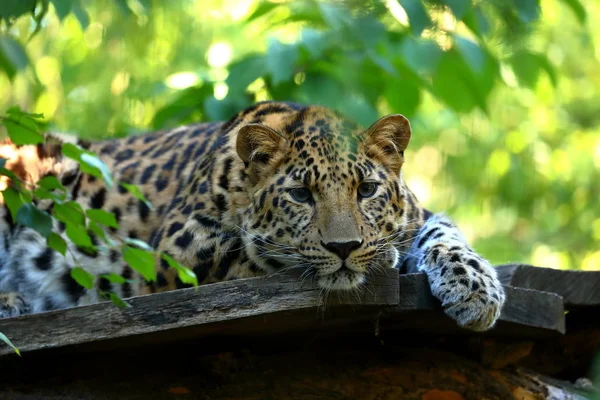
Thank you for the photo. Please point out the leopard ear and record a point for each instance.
(387, 139)
(257, 145)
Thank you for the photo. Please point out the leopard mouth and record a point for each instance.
(341, 279)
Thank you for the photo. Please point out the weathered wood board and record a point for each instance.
(577, 288)
(267, 306)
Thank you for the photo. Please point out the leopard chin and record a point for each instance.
(342, 279)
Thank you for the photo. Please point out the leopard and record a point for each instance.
(278, 188)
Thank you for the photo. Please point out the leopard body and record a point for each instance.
(280, 187)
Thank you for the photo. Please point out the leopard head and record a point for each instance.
(327, 197)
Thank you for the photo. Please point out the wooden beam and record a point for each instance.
(577, 288)
(525, 313)
(268, 306)
(203, 306)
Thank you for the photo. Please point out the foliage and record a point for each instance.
(501, 94)
(23, 199)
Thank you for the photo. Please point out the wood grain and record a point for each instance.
(202, 306)
(270, 306)
(577, 288)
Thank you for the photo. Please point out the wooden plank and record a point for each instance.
(526, 312)
(271, 306)
(577, 288)
(194, 307)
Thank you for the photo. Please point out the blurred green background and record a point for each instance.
(503, 95)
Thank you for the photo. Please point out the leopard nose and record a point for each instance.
(342, 249)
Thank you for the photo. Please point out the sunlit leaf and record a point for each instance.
(100, 232)
(32, 217)
(102, 217)
(403, 96)
(12, 55)
(20, 133)
(138, 243)
(80, 13)
(263, 8)
(62, 8)
(57, 243)
(50, 183)
(89, 162)
(185, 274)
(15, 8)
(13, 200)
(114, 278)
(9, 343)
(458, 7)
(577, 7)
(140, 260)
(527, 10)
(417, 15)
(471, 53)
(83, 277)
(281, 59)
(79, 236)
(69, 212)
(245, 71)
(117, 301)
(136, 192)
(95, 163)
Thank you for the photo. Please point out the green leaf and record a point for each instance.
(417, 15)
(528, 66)
(136, 192)
(142, 261)
(69, 212)
(403, 96)
(88, 162)
(458, 7)
(185, 274)
(9, 343)
(15, 8)
(114, 278)
(50, 183)
(62, 8)
(32, 217)
(79, 236)
(56, 242)
(13, 200)
(117, 301)
(81, 15)
(335, 15)
(476, 21)
(281, 59)
(83, 277)
(20, 133)
(578, 9)
(16, 112)
(527, 10)
(471, 53)
(95, 163)
(263, 8)
(245, 71)
(420, 55)
(12, 55)
(138, 243)
(101, 233)
(102, 217)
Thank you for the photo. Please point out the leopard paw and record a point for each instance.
(13, 304)
(465, 283)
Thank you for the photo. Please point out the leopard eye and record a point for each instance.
(301, 195)
(367, 189)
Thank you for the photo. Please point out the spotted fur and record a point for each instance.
(279, 187)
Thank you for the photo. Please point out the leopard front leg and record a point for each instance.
(465, 283)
